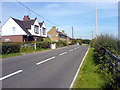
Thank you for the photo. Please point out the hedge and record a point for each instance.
(111, 77)
(43, 45)
(8, 48)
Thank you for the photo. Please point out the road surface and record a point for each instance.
(48, 69)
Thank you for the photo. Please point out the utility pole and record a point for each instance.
(96, 17)
(72, 33)
(92, 34)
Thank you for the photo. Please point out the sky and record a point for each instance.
(79, 15)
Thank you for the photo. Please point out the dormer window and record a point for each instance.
(44, 31)
(36, 29)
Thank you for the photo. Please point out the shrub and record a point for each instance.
(8, 48)
(43, 45)
(61, 43)
(112, 79)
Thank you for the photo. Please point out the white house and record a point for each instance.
(15, 30)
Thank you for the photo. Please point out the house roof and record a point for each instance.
(25, 24)
(61, 33)
(41, 23)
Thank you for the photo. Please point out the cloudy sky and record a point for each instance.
(79, 15)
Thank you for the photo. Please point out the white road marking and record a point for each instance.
(78, 70)
(70, 50)
(75, 48)
(45, 60)
(62, 53)
(19, 71)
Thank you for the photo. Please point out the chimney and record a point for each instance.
(63, 31)
(57, 29)
(54, 27)
(26, 18)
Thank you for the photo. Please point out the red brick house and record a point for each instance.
(15, 30)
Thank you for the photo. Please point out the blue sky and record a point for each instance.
(79, 15)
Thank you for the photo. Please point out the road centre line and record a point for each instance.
(70, 50)
(14, 73)
(62, 53)
(45, 60)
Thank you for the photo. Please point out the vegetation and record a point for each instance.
(89, 76)
(111, 76)
(85, 41)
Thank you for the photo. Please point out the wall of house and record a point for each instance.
(32, 28)
(53, 35)
(43, 26)
(18, 38)
(7, 28)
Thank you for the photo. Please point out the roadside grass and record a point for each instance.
(84, 44)
(23, 53)
(89, 76)
(11, 55)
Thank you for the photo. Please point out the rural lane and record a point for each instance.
(48, 69)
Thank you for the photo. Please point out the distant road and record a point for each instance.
(49, 69)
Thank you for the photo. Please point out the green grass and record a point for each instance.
(88, 76)
(22, 53)
(84, 44)
(11, 55)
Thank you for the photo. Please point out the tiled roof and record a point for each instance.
(61, 33)
(25, 24)
(41, 23)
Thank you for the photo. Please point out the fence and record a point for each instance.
(115, 58)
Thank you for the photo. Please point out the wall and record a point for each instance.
(8, 31)
(32, 28)
(52, 34)
(13, 38)
(42, 30)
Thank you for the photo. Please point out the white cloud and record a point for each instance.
(52, 5)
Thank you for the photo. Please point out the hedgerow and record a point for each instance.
(111, 76)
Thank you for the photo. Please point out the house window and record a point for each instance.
(49, 35)
(36, 29)
(13, 30)
(7, 40)
(44, 31)
(56, 34)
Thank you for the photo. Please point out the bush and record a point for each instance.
(8, 48)
(43, 45)
(61, 43)
(111, 77)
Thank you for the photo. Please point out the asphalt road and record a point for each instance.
(48, 69)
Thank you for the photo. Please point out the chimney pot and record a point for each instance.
(26, 18)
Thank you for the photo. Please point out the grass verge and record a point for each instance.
(22, 53)
(89, 76)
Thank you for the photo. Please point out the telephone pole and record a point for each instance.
(72, 33)
(92, 34)
(96, 17)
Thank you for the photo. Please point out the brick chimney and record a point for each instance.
(54, 27)
(63, 31)
(57, 29)
(26, 18)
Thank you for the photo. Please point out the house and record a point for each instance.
(56, 35)
(15, 30)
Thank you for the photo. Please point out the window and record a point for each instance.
(56, 34)
(13, 30)
(49, 35)
(44, 31)
(36, 29)
(7, 40)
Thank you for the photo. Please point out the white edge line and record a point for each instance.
(45, 60)
(62, 53)
(19, 71)
(78, 70)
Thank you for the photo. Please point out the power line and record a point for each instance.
(37, 13)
